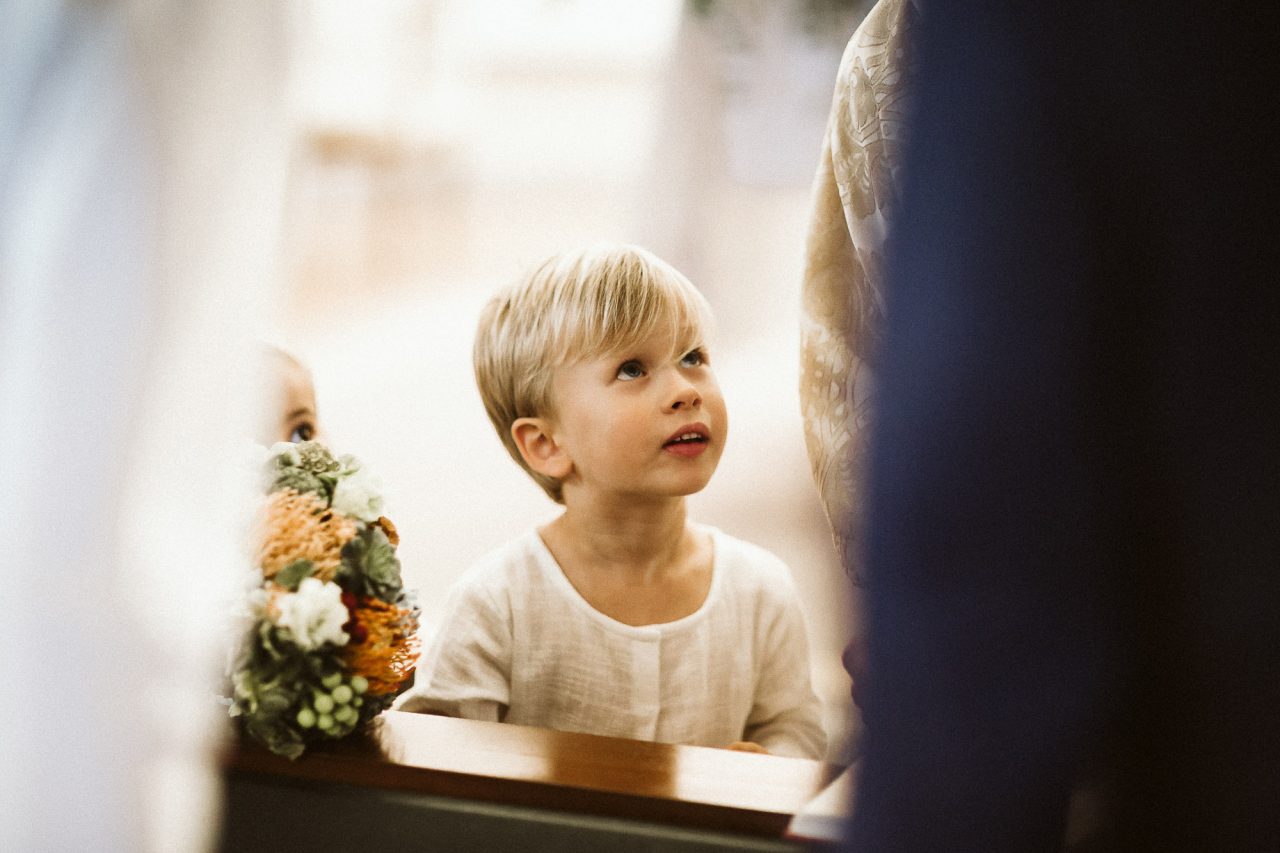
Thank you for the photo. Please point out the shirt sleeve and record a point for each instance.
(468, 668)
(786, 716)
(831, 290)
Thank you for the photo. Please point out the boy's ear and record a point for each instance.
(539, 448)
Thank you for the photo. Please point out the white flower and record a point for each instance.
(286, 451)
(314, 614)
(256, 603)
(358, 495)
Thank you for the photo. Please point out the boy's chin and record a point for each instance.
(690, 486)
(680, 485)
(666, 491)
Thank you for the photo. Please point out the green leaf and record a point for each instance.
(328, 482)
(245, 691)
(267, 637)
(277, 737)
(300, 481)
(293, 574)
(370, 565)
(275, 702)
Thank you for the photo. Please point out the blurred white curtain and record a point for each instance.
(141, 173)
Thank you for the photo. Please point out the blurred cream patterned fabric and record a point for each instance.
(142, 168)
(855, 196)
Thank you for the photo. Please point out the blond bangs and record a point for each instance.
(621, 300)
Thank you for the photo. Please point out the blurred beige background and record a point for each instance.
(439, 148)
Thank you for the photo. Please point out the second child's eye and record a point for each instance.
(302, 432)
(693, 358)
(630, 370)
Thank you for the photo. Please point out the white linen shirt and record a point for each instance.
(520, 645)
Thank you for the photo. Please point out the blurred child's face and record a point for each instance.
(296, 410)
(644, 422)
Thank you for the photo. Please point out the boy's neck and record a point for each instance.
(640, 539)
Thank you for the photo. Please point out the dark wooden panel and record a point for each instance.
(273, 815)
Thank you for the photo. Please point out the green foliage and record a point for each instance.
(274, 682)
(307, 467)
(293, 574)
(370, 566)
(301, 481)
(287, 697)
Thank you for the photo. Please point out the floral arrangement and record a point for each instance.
(333, 633)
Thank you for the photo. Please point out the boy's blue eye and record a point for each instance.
(693, 358)
(630, 370)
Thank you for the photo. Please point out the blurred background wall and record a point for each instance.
(440, 148)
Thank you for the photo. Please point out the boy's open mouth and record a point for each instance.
(692, 434)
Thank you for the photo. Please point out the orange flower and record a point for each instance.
(298, 526)
(390, 529)
(389, 652)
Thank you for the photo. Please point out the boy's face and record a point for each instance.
(642, 422)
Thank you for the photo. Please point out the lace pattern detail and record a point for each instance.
(854, 202)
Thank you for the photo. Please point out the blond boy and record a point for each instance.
(621, 617)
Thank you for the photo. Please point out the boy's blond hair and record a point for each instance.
(574, 307)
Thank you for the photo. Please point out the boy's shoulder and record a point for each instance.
(751, 566)
(498, 570)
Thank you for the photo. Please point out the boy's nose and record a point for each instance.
(685, 396)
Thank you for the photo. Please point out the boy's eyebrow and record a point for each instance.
(305, 410)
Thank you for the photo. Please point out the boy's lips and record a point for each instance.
(690, 440)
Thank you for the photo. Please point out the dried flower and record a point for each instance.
(389, 653)
(298, 526)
